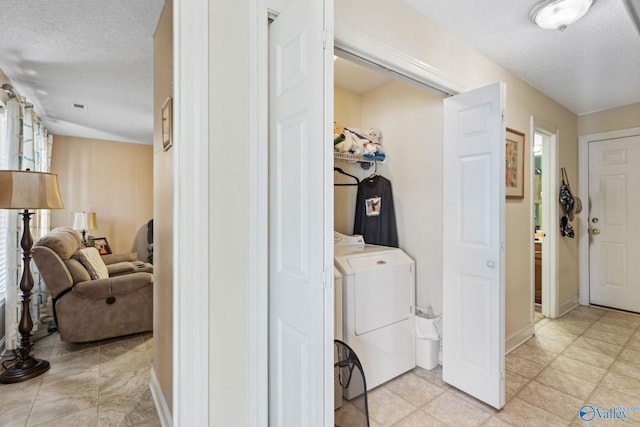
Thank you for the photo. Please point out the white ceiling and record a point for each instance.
(593, 65)
(100, 54)
(93, 52)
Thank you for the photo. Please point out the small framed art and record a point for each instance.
(167, 124)
(514, 170)
(101, 244)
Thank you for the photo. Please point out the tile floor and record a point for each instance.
(590, 356)
(96, 384)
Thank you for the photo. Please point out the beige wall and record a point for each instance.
(112, 179)
(624, 117)
(163, 210)
(430, 43)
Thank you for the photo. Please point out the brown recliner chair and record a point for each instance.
(87, 309)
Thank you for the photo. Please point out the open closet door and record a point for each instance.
(300, 218)
(473, 249)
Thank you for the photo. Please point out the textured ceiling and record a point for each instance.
(93, 52)
(100, 54)
(593, 65)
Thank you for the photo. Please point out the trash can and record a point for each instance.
(427, 339)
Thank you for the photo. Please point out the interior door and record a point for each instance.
(300, 343)
(473, 249)
(614, 229)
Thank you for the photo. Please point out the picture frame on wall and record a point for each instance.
(514, 170)
(167, 124)
(101, 244)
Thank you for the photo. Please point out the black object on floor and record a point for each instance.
(351, 380)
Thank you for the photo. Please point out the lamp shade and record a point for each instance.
(85, 221)
(29, 190)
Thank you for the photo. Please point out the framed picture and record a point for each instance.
(167, 124)
(514, 170)
(101, 244)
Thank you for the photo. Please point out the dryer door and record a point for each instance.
(383, 290)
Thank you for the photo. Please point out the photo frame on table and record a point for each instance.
(101, 244)
(514, 170)
(167, 124)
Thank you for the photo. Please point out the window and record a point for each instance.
(4, 214)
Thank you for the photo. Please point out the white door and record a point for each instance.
(473, 235)
(300, 245)
(614, 228)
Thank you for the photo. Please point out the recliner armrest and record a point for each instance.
(126, 267)
(122, 257)
(113, 286)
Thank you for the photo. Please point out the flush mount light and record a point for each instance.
(559, 14)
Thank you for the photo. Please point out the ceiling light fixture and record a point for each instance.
(559, 14)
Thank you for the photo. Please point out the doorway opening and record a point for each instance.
(544, 213)
(410, 120)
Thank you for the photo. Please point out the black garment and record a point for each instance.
(375, 216)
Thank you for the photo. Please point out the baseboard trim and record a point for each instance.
(166, 420)
(568, 306)
(518, 338)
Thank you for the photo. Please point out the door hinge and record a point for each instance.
(325, 36)
(327, 277)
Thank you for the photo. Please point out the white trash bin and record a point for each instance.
(427, 339)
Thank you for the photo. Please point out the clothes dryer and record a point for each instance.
(378, 306)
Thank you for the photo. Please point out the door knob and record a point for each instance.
(595, 220)
(595, 231)
(490, 264)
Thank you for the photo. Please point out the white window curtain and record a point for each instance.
(27, 146)
(4, 214)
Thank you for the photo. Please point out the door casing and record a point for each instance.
(550, 288)
(583, 178)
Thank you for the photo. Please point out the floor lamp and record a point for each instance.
(26, 190)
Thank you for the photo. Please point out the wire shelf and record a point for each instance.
(354, 157)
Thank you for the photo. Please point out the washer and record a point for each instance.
(378, 306)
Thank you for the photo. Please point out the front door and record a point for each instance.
(300, 221)
(614, 229)
(473, 249)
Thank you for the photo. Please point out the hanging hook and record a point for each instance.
(375, 170)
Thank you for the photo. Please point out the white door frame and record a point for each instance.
(583, 178)
(190, 206)
(191, 391)
(550, 276)
(360, 47)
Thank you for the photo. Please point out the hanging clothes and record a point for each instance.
(375, 217)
